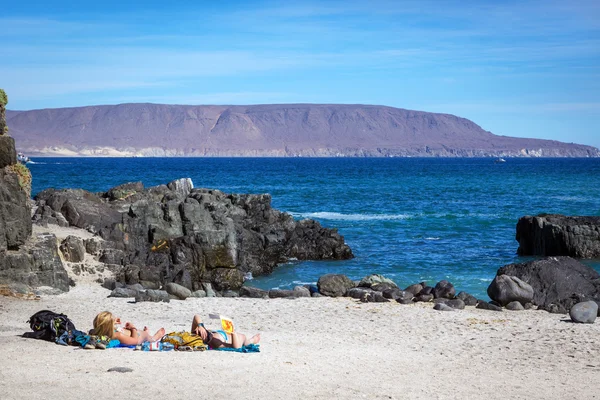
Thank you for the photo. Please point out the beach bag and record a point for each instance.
(48, 325)
(185, 341)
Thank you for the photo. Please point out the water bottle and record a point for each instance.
(157, 346)
(166, 346)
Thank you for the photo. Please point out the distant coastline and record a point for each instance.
(272, 130)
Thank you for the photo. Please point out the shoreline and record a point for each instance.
(310, 348)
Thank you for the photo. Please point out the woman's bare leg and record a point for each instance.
(238, 340)
(253, 340)
(158, 335)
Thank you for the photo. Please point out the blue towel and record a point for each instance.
(250, 348)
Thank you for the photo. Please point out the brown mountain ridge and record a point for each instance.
(276, 130)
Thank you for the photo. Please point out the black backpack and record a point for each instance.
(48, 325)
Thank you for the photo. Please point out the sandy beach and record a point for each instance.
(310, 348)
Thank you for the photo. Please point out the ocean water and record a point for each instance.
(408, 219)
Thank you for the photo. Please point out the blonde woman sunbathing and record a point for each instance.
(105, 324)
(219, 338)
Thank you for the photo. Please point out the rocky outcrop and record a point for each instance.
(558, 282)
(36, 263)
(24, 260)
(175, 233)
(15, 211)
(559, 235)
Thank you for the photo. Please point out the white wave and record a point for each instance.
(432, 238)
(352, 217)
(302, 283)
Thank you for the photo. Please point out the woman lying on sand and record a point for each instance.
(106, 325)
(219, 338)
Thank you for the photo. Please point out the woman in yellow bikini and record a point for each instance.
(107, 325)
(220, 338)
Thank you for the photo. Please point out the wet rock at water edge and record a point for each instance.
(444, 289)
(334, 285)
(415, 289)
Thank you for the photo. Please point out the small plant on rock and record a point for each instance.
(24, 175)
(3, 103)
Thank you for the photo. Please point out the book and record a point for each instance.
(226, 322)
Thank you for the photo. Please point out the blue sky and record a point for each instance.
(517, 68)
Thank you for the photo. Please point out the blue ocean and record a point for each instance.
(408, 219)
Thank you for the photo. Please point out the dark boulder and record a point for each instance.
(283, 294)
(444, 289)
(371, 296)
(515, 306)
(505, 289)
(405, 297)
(457, 304)
(181, 292)
(425, 298)
(302, 291)
(151, 296)
(334, 285)
(558, 282)
(487, 306)
(442, 307)
(249, 291)
(415, 289)
(584, 312)
(468, 299)
(357, 293)
(426, 291)
(392, 293)
(559, 235)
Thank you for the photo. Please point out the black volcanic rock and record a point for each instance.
(175, 233)
(559, 235)
(267, 130)
(558, 282)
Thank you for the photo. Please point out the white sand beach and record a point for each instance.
(321, 348)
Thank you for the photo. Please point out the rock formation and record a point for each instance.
(175, 233)
(559, 235)
(24, 259)
(558, 282)
(276, 130)
(3, 102)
